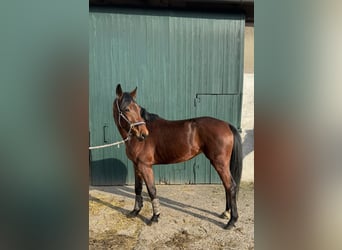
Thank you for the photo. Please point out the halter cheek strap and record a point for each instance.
(131, 125)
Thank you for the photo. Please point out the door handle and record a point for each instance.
(105, 127)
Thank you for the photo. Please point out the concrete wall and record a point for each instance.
(247, 119)
(249, 49)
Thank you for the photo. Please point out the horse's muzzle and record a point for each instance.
(142, 137)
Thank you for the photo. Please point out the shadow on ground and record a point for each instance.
(128, 192)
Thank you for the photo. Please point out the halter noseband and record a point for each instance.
(131, 124)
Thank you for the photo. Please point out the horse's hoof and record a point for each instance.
(154, 219)
(133, 214)
(230, 225)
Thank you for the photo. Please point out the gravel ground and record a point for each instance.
(189, 218)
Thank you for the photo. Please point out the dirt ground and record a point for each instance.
(189, 218)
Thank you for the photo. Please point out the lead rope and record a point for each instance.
(112, 144)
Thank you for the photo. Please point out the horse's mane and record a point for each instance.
(148, 116)
(127, 99)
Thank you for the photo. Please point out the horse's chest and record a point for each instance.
(140, 155)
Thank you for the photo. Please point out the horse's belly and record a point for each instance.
(176, 155)
(180, 144)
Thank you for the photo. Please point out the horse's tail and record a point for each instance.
(236, 158)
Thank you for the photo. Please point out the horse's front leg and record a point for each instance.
(148, 177)
(138, 190)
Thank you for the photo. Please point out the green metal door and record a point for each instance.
(173, 57)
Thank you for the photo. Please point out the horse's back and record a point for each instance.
(212, 125)
(196, 128)
(210, 121)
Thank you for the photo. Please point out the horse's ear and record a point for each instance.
(118, 91)
(134, 93)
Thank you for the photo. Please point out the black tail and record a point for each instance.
(236, 158)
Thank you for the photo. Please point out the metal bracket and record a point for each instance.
(105, 126)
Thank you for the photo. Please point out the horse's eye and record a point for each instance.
(127, 110)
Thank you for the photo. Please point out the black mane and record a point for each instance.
(127, 99)
(148, 116)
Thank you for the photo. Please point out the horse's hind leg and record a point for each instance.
(138, 197)
(222, 168)
(233, 211)
(148, 176)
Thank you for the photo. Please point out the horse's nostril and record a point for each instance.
(141, 137)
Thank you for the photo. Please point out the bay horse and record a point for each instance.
(150, 140)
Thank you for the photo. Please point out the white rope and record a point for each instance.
(110, 145)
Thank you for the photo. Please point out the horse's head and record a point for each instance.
(127, 113)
